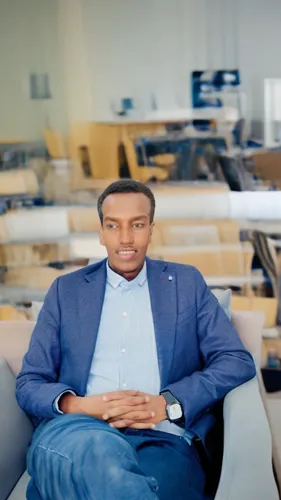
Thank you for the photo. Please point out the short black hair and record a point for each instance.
(126, 186)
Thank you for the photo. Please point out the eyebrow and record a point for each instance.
(114, 219)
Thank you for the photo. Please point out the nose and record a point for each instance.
(127, 237)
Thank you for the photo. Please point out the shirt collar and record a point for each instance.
(115, 280)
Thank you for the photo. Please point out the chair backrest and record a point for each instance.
(266, 252)
(15, 434)
(267, 255)
(54, 143)
(14, 341)
(229, 169)
(249, 326)
(131, 156)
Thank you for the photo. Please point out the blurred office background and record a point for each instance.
(184, 95)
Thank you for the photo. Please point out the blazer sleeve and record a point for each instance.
(226, 363)
(37, 386)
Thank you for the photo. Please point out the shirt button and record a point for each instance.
(124, 385)
(124, 314)
(123, 350)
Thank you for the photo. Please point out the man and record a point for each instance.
(124, 369)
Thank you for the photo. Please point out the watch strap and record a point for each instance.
(170, 398)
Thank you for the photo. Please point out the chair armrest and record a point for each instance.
(247, 457)
(15, 433)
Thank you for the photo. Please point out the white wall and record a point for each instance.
(98, 51)
(133, 52)
(136, 47)
(140, 47)
(28, 43)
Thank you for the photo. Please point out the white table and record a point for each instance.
(222, 115)
(238, 281)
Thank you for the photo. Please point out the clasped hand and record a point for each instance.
(120, 409)
(135, 410)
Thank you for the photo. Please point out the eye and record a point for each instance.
(111, 226)
(138, 225)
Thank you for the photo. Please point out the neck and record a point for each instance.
(130, 275)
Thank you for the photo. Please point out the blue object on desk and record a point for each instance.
(127, 104)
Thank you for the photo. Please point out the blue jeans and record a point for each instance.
(76, 457)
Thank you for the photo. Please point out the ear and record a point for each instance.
(101, 236)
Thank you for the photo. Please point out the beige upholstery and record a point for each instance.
(14, 340)
(249, 325)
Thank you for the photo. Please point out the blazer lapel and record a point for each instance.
(163, 297)
(91, 297)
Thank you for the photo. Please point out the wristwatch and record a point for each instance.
(173, 407)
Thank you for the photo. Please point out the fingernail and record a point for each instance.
(152, 414)
(111, 425)
(153, 426)
(147, 399)
(105, 417)
(104, 398)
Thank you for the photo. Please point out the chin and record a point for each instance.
(127, 267)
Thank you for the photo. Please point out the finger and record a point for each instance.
(133, 415)
(118, 411)
(131, 401)
(142, 425)
(112, 396)
(120, 424)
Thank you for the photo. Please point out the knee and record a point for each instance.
(111, 453)
(106, 445)
(112, 456)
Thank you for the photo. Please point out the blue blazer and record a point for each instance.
(201, 357)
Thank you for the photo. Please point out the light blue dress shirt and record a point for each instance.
(125, 355)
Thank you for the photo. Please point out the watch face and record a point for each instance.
(174, 411)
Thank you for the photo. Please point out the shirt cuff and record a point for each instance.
(56, 402)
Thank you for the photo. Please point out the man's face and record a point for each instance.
(126, 231)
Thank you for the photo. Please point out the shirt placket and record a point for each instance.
(126, 314)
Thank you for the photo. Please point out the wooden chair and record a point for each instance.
(265, 250)
(167, 160)
(55, 144)
(143, 174)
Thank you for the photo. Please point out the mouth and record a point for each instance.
(128, 254)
